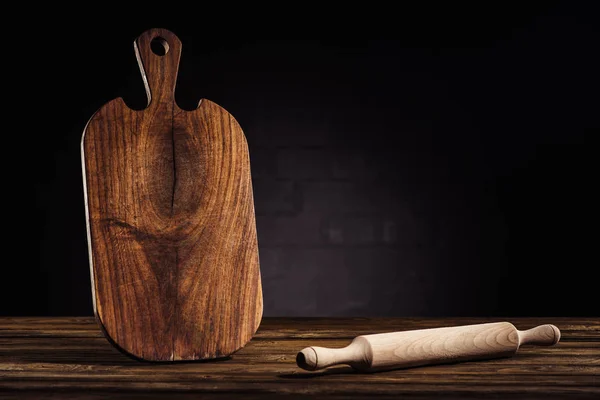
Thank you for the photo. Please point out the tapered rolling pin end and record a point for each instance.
(307, 359)
(543, 335)
(556, 334)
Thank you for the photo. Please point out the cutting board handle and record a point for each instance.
(158, 52)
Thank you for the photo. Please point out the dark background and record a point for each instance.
(448, 172)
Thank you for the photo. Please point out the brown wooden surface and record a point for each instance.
(69, 358)
(171, 221)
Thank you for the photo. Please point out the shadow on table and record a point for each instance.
(82, 352)
(316, 374)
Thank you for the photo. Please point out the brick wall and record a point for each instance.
(349, 225)
(448, 172)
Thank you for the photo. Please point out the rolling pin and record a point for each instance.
(392, 350)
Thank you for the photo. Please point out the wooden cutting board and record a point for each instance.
(171, 227)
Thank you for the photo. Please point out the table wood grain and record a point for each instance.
(70, 358)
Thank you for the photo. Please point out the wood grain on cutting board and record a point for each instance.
(171, 223)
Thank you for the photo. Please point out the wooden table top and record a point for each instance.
(70, 358)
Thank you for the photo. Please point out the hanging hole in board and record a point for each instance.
(159, 46)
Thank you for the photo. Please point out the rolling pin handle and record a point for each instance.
(543, 335)
(314, 357)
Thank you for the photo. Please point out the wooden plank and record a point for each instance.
(553, 366)
(398, 387)
(99, 394)
(272, 328)
(76, 350)
(70, 347)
